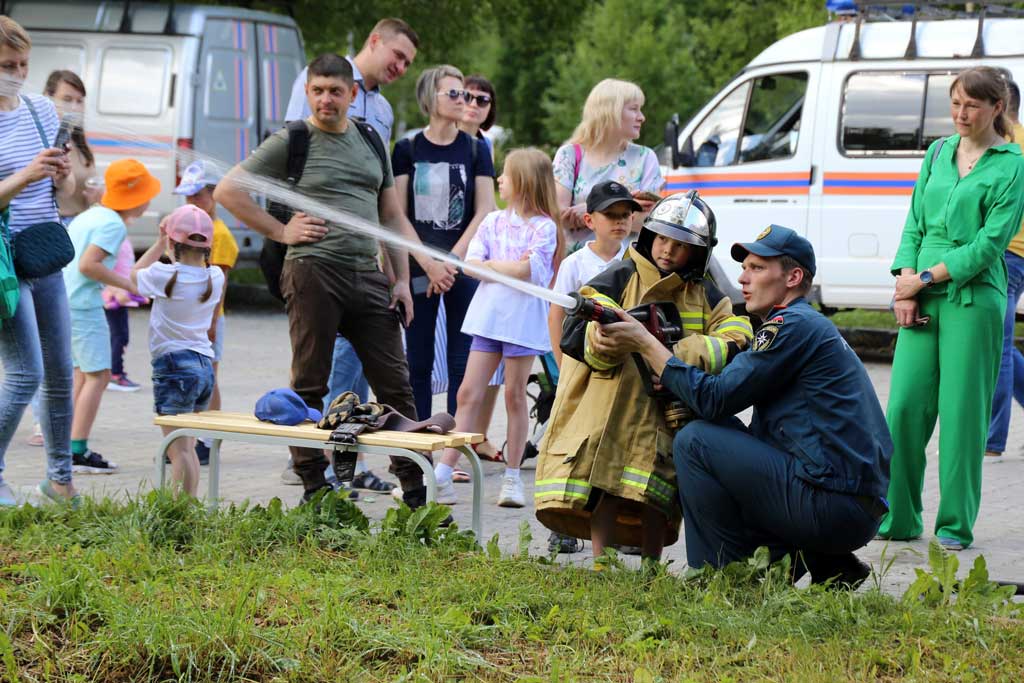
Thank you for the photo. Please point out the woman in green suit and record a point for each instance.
(950, 300)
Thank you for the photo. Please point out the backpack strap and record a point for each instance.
(372, 138)
(298, 151)
(46, 145)
(577, 150)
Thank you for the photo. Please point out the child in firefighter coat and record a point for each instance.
(605, 467)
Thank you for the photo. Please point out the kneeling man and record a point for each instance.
(807, 477)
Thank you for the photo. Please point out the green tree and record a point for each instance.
(450, 31)
(644, 41)
(530, 35)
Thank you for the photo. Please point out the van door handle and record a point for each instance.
(813, 175)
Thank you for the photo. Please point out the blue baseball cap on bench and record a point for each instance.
(284, 407)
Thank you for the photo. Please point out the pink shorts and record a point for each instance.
(506, 349)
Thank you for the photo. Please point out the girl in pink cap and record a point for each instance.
(185, 294)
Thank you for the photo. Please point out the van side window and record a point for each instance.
(894, 112)
(134, 81)
(758, 121)
(713, 142)
(772, 124)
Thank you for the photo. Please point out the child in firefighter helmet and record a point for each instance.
(605, 467)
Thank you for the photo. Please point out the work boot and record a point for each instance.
(846, 572)
(417, 498)
(309, 494)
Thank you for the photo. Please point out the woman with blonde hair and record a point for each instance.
(602, 148)
(446, 178)
(949, 301)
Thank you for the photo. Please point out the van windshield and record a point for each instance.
(758, 121)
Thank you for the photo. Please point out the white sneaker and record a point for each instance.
(511, 493)
(446, 493)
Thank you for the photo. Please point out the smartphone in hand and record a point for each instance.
(63, 139)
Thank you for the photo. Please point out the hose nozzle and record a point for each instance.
(590, 310)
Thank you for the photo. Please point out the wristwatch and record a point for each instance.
(927, 279)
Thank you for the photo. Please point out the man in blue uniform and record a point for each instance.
(808, 476)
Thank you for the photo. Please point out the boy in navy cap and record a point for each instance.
(808, 476)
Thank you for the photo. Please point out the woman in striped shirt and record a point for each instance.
(35, 345)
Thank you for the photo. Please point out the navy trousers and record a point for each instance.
(739, 493)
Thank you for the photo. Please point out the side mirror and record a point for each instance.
(672, 139)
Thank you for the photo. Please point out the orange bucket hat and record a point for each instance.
(128, 185)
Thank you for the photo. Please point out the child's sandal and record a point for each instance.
(461, 477)
(486, 451)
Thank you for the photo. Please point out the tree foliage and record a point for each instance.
(680, 54)
(544, 57)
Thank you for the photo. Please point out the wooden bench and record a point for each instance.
(219, 426)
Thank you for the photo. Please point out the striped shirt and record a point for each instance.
(19, 145)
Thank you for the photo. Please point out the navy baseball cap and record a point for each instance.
(284, 407)
(776, 240)
(603, 195)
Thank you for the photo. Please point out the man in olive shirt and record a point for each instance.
(331, 280)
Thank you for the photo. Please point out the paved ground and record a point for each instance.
(257, 358)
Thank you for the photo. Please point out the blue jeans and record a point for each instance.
(346, 373)
(419, 342)
(738, 493)
(182, 382)
(1010, 384)
(35, 346)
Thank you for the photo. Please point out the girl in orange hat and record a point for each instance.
(97, 234)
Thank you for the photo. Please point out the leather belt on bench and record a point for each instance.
(347, 418)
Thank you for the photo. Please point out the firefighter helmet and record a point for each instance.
(685, 218)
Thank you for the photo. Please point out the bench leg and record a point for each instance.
(213, 495)
(478, 490)
(161, 469)
(429, 480)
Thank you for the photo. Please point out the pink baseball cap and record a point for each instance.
(190, 225)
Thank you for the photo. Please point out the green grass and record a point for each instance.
(156, 589)
(246, 276)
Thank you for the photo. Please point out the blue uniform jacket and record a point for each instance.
(811, 396)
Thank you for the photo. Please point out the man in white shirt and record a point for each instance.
(385, 56)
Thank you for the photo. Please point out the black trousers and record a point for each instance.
(739, 493)
(117, 319)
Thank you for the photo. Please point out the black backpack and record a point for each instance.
(272, 254)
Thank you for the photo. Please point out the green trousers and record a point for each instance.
(946, 369)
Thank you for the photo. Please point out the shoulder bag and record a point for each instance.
(8, 279)
(43, 248)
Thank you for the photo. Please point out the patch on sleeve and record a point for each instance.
(764, 337)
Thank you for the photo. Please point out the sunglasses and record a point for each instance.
(481, 100)
(456, 95)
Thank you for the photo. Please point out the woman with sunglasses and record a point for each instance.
(447, 179)
(481, 109)
(602, 148)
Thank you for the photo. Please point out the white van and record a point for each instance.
(824, 132)
(163, 77)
